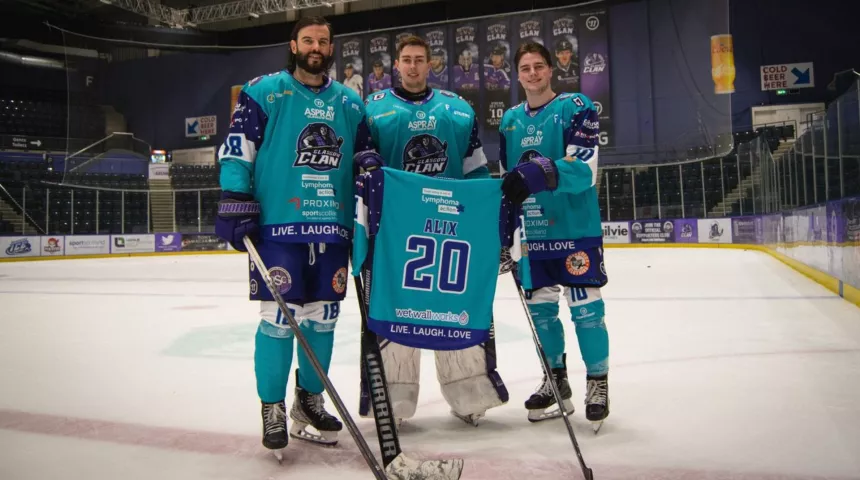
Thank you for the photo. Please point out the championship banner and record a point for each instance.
(379, 57)
(593, 28)
(747, 230)
(526, 29)
(395, 75)
(465, 74)
(351, 64)
(497, 71)
(652, 231)
(437, 39)
(564, 46)
(686, 230)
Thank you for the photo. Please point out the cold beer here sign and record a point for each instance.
(789, 75)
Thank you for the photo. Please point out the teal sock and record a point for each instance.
(550, 332)
(592, 336)
(321, 344)
(273, 357)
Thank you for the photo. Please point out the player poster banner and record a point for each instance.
(527, 29)
(715, 230)
(497, 71)
(351, 64)
(564, 45)
(686, 230)
(395, 75)
(593, 28)
(437, 40)
(652, 231)
(746, 230)
(379, 58)
(466, 79)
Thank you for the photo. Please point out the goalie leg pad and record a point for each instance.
(470, 383)
(402, 372)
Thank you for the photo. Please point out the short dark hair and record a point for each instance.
(413, 40)
(307, 22)
(532, 47)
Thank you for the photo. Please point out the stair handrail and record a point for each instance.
(23, 212)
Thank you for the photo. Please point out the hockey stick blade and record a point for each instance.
(586, 472)
(318, 368)
(397, 464)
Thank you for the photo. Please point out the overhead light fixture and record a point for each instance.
(254, 15)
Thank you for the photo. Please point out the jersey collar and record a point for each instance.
(533, 112)
(316, 90)
(411, 102)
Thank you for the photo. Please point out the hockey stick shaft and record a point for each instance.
(586, 472)
(378, 472)
(377, 384)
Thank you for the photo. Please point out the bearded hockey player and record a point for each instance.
(435, 133)
(549, 145)
(287, 183)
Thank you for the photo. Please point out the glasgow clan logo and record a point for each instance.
(425, 154)
(318, 147)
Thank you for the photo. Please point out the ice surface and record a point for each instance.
(725, 364)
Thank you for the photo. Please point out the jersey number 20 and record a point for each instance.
(452, 266)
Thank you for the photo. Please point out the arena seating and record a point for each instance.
(45, 113)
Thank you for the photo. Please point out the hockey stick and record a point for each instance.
(586, 472)
(332, 393)
(397, 464)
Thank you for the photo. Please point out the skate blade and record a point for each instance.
(547, 414)
(279, 455)
(596, 426)
(300, 431)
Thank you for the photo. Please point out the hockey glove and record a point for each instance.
(238, 217)
(368, 161)
(528, 178)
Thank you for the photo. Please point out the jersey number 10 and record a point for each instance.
(451, 270)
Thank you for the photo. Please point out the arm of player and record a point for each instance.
(577, 171)
(368, 187)
(475, 162)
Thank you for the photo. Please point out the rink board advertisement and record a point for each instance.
(120, 244)
(88, 245)
(52, 246)
(652, 231)
(616, 232)
(202, 242)
(168, 242)
(12, 247)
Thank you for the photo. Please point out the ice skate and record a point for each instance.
(540, 403)
(597, 401)
(471, 419)
(275, 428)
(308, 411)
(406, 468)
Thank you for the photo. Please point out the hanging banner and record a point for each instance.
(466, 74)
(437, 40)
(723, 63)
(593, 28)
(379, 58)
(565, 47)
(527, 29)
(351, 64)
(497, 71)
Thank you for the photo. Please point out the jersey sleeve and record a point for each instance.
(368, 211)
(239, 150)
(475, 162)
(577, 171)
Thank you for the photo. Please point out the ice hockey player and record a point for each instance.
(432, 132)
(287, 177)
(549, 146)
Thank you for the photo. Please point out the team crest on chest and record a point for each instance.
(318, 147)
(425, 154)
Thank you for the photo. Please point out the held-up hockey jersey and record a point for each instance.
(437, 136)
(291, 147)
(565, 130)
(432, 249)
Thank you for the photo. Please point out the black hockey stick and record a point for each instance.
(586, 472)
(378, 471)
(397, 464)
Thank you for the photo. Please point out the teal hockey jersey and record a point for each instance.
(565, 130)
(431, 247)
(437, 136)
(291, 146)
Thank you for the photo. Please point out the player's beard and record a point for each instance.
(303, 62)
